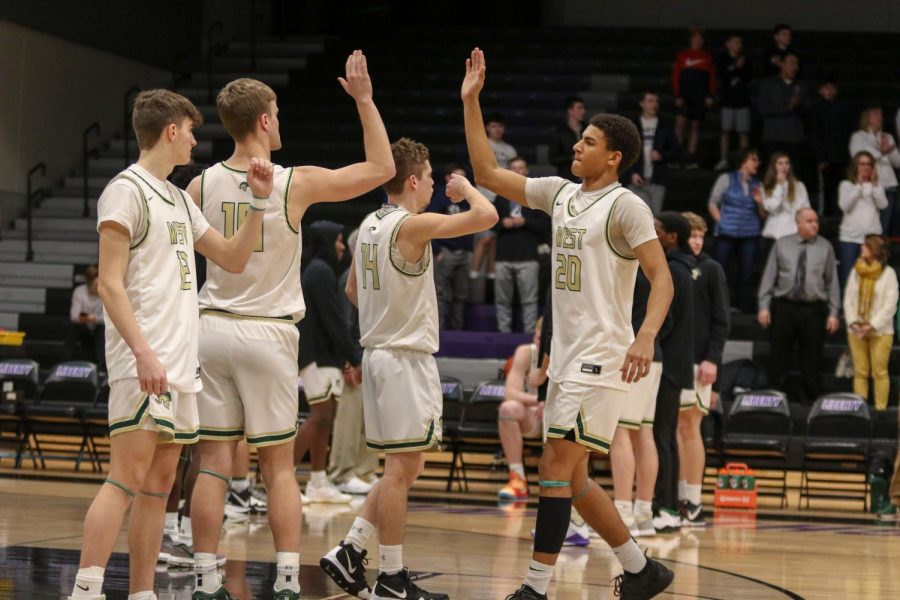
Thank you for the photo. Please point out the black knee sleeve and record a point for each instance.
(552, 524)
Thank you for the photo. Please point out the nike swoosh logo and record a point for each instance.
(82, 588)
(350, 568)
(559, 203)
(395, 592)
(694, 61)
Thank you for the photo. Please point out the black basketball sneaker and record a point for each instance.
(400, 586)
(347, 568)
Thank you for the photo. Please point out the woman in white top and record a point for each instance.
(860, 198)
(870, 302)
(872, 139)
(783, 197)
(86, 313)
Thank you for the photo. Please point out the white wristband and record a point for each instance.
(258, 203)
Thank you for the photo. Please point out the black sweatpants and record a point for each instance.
(665, 430)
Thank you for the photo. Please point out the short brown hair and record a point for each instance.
(880, 247)
(697, 222)
(853, 167)
(621, 136)
(409, 159)
(240, 103)
(91, 273)
(154, 110)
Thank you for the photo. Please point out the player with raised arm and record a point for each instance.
(248, 338)
(602, 233)
(392, 282)
(149, 230)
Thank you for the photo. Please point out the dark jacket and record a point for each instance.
(831, 123)
(561, 151)
(678, 343)
(733, 79)
(324, 338)
(350, 312)
(664, 142)
(639, 313)
(712, 311)
(781, 123)
(441, 204)
(519, 244)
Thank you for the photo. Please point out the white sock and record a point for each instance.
(88, 582)
(631, 557)
(538, 577)
(171, 522)
(693, 492)
(208, 580)
(317, 478)
(288, 571)
(359, 533)
(240, 484)
(682, 489)
(186, 533)
(624, 507)
(391, 559)
(142, 596)
(518, 469)
(474, 274)
(644, 507)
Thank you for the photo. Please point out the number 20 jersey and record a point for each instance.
(269, 286)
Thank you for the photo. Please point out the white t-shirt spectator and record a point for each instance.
(782, 219)
(860, 203)
(84, 303)
(884, 163)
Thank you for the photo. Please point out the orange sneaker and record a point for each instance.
(515, 489)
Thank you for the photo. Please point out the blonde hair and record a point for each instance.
(240, 103)
(409, 159)
(696, 221)
(771, 177)
(154, 110)
(853, 168)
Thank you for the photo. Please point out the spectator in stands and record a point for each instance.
(520, 414)
(520, 231)
(783, 196)
(86, 313)
(736, 205)
(798, 294)
(485, 246)
(694, 84)
(351, 467)
(784, 101)
(782, 45)
(325, 351)
(647, 177)
(870, 303)
(633, 455)
(451, 258)
(831, 124)
(873, 139)
(712, 324)
(678, 364)
(566, 135)
(734, 73)
(860, 198)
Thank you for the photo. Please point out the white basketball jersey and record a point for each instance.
(269, 286)
(397, 299)
(160, 279)
(593, 287)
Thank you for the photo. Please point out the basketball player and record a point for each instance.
(392, 282)
(149, 230)
(602, 232)
(248, 340)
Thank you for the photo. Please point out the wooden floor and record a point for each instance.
(475, 552)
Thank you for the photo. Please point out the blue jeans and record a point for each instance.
(745, 249)
(847, 252)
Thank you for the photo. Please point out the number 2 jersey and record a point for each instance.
(397, 299)
(593, 269)
(160, 279)
(269, 286)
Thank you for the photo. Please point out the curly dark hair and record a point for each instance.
(621, 135)
(674, 222)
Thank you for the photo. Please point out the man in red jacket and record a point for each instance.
(694, 84)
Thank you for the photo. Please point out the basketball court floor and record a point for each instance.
(473, 552)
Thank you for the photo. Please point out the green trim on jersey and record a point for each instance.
(429, 441)
(146, 208)
(230, 315)
(287, 195)
(208, 433)
(202, 181)
(385, 210)
(589, 206)
(581, 436)
(170, 200)
(184, 201)
(425, 261)
(606, 229)
(268, 439)
(232, 168)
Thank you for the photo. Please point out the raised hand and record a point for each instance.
(260, 176)
(358, 83)
(457, 188)
(474, 80)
